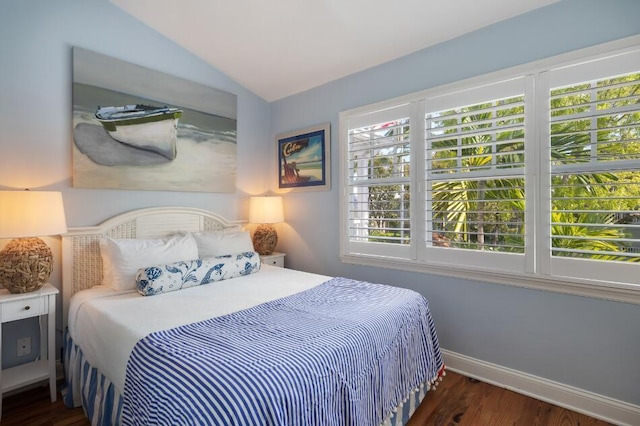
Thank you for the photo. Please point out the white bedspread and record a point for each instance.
(106, 324)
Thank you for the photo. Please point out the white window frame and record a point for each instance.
(381, 249)
(537, 269)
(470, 94)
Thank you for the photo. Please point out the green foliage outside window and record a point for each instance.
(589, 210)
(477, 185)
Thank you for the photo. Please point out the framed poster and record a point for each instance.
(304, 159)
(137, 128)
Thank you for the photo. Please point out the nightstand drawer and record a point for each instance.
(25, 308)
(273, 259)
(277, 261)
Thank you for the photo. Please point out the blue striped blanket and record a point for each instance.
(342, 353)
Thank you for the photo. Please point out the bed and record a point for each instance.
(253, 345)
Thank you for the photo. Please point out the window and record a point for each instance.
(379, 183)
(594, 162)
(532, 178)
(475, 176)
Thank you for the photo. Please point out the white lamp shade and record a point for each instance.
(31, 214)
(266, 210)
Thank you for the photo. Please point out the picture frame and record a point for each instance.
(304, 159)
(136, 128)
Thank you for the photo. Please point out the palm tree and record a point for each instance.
(460, 207)
(469, 209)
(596, 242)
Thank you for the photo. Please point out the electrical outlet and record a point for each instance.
(24, 346)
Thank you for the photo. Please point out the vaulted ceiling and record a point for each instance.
(281, 47)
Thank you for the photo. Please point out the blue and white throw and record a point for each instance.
(342, 353)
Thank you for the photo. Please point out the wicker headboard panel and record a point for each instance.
(81, 261)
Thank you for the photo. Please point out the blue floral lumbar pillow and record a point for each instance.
(189, 273)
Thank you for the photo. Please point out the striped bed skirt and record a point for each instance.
(86, 386)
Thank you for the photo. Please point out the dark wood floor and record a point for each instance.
(459, 400)
(456, 401)
(34, 407)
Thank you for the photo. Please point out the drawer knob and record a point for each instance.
(26, 308)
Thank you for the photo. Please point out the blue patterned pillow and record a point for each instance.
(189, 273)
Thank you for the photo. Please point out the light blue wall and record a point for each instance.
(587, 343)
(36, 38)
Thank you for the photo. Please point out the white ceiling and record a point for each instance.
(278, 48)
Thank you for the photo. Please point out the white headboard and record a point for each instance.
(81, 261)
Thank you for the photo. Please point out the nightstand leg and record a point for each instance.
(51, 350)
(1, 384)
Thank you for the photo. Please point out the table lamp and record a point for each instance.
(265, 211)
(26, 261)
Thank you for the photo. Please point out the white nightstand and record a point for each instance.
(273, 259)
(14, 307)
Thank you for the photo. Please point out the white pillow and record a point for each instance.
(219, 243)
(121, 259)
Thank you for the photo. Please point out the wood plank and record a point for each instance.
(463, 401)
(457, 400)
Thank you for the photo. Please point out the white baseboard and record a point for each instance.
(579, 400)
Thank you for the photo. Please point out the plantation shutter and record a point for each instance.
(594, 162)
(476, 146)
(379, 183)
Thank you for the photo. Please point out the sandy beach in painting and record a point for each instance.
(205, 162)
(206, 130)
(313, 172)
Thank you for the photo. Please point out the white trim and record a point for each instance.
(509, 263)
(419, 190)
(538, 271)
(499, 89)
(343, 186)
(393, 113)
(572, 398)
(532, 175)
(543, 186)
(617, 293)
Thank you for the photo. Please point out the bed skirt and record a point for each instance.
(86, 387)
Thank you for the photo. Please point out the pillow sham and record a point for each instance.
(218, 243)
(158, 279)
(121, 258)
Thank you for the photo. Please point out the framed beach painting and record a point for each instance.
(140, 129)
(304, 159)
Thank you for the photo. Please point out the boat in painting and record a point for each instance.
(147, 127)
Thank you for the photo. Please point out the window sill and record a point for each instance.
(595, 289)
